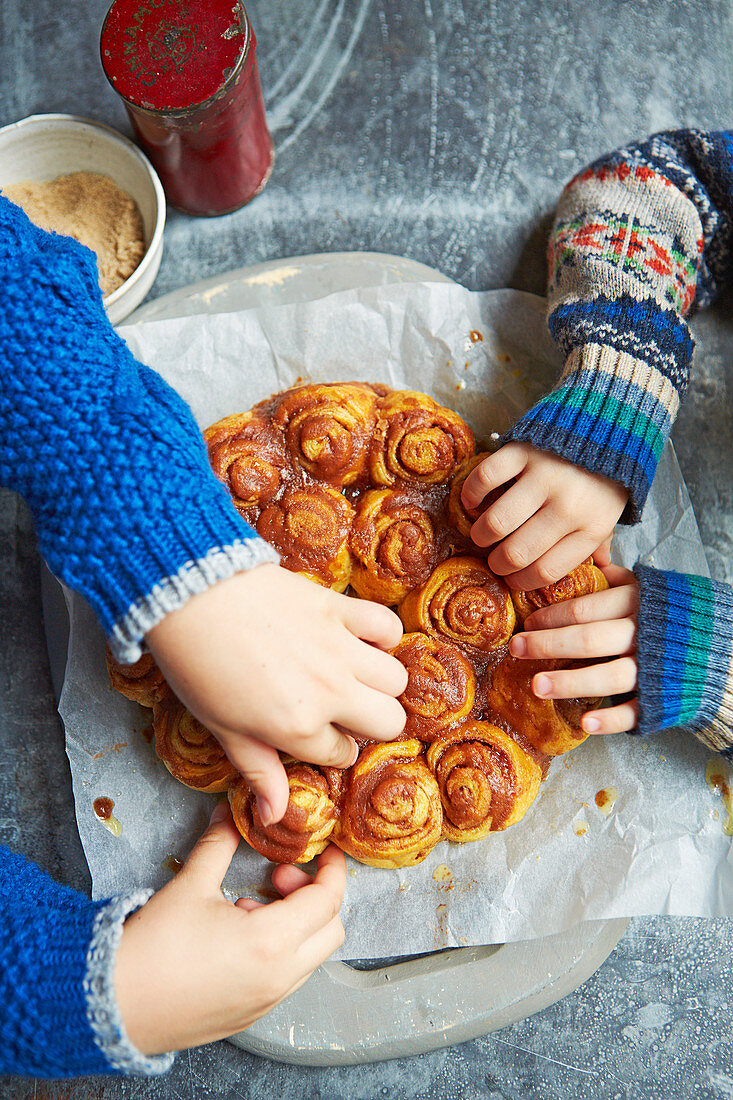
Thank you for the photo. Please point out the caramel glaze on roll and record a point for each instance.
(487, 781)
(582, 581)
(416, 440)
(390, 813)
(142, 682)
(328, 428)
(189, 751)
(249, 456)
(551, 726)
(441, 685)
(461, 517)
(464, 602)
(394, 543)
(306, 827)
(310, 528)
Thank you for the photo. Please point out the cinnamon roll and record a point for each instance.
(390, 815)
(441, 685)
(581, 581)
(308, 822)
(552, 726)
(189, 751)
(394, 546)
(142, 682)
(250, 458)
(328, 428)
(464, 602)
(310, 528)
(416, 440)
(461, 517)
(487, 781)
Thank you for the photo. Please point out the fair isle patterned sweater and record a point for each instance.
(87, 436)
(640, 237)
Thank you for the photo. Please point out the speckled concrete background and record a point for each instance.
(442, 130)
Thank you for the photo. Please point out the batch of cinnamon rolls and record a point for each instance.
(359, 487)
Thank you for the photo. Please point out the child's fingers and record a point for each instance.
(510, 511)
(604, 639)
(213, 852)
(248, 904)
(321, 945)
(611, 678)
(616, 575)
(371, 714)
(311, 907)
(618, 719)
(526, 545)
(261, 766)
(612, 603)
(286, 878)
(375, 668)
(602, 553)
(555, 563)
(371, 622)
(495, 470)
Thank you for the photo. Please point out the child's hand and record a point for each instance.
(600, 625)
(193, 967)
(268, 660)
(549, 521)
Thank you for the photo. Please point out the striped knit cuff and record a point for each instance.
(102, 1011)
(171, 593)
(611, 414)
(685, 656)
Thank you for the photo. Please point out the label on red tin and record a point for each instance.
(172, 54)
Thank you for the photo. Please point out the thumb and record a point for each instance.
(602, 553)
(261, 766)
(211, 855)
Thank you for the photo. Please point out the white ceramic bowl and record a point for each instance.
(42, 147)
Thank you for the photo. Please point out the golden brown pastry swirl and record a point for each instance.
(328, 428)
(250, 458)
(390, 815)
(310, 527)
(552, 726)
(464, 602)
(416, 440)
(304, 830)
(487, 781)
(394, 546)
(189, 751)
(581, 581)
(441, 685)
(142, 682)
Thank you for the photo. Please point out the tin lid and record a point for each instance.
(173, 54)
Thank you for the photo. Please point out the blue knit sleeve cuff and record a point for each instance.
(685, 656)
(614, 406)
(102, 1011)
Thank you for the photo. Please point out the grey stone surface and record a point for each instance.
(442, 130)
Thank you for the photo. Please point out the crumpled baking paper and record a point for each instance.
(661, 849)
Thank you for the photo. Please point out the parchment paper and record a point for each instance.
(662, 848)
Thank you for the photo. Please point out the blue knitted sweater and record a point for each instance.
(88, 435)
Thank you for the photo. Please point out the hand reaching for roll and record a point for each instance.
(548, 517)
(193, 967)
(268, 660)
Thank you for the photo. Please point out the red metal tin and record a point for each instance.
(187, 72)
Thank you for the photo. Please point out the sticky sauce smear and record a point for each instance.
(172, 864)
(606, 799)
(580, 828)
(475, 336)
(718, 781)
(443, 874)
(103, 808)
